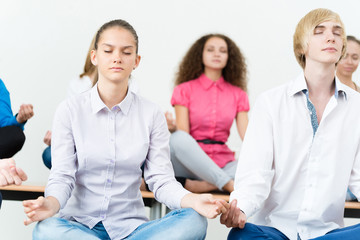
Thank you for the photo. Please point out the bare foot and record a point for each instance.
(197, 186)
(229, 186)
(143, 185)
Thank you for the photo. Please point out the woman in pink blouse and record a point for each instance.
(209, 95)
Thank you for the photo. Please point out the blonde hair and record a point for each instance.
(306, 27)
(89, 68)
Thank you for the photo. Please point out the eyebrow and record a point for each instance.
(214, 46)
(337, 27)
(110, 45)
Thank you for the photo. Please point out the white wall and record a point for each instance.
(43, 45)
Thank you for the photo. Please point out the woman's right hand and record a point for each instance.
(40, 209)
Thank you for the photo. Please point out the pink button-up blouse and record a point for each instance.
(213, 106)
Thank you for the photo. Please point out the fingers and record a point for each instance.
(168, 115)
(18, 175)
(47, 138)
(25, 112)
(30, 205)
(222, 206)
(231, 212)
(242, 220)
(6, 178)
(22, 175)
(27, 222)
(15, 176)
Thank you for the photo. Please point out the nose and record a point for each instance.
(117, 58)
(217, 53)
(330, 38)
(349, 60)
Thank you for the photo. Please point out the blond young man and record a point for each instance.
(301, 148)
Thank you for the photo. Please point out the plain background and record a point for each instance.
(43, 45)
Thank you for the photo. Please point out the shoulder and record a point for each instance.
(79, 85)
(144, 104)
(77, 102)
(2, 86)
(235, 89)
(146, 111)
(273, 98)
(188, 85)
(352, 95)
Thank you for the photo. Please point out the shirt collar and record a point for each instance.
(207, 82)
(299, 84)
(97, 104)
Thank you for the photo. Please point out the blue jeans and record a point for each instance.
(350, 196)
(46, 156)
(252, 231)
(179, 224)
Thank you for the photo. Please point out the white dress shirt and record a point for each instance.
(289, 179)
(97, 154)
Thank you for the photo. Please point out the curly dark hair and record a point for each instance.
(191, 66)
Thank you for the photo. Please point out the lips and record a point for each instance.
(330, 49)
(117, 69)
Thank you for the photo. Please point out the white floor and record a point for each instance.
(12, 228)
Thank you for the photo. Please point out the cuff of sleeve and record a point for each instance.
(57, 195)
(21, 125)
(177, 193)
(245, 206)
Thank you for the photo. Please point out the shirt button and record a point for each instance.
(310, 112)
(108, 180)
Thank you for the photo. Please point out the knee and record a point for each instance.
(46, 156)
(46, 229)
(17, 136)
(12, 140)
(179, 138)
(234, 234)
(197, 225)
(246, 233)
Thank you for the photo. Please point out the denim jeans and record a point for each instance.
(179, 224)
(350, 196)
(252, 231)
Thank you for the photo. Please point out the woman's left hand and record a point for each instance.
(205, 204)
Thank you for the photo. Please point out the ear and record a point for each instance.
(93, 57)
(137, 61)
